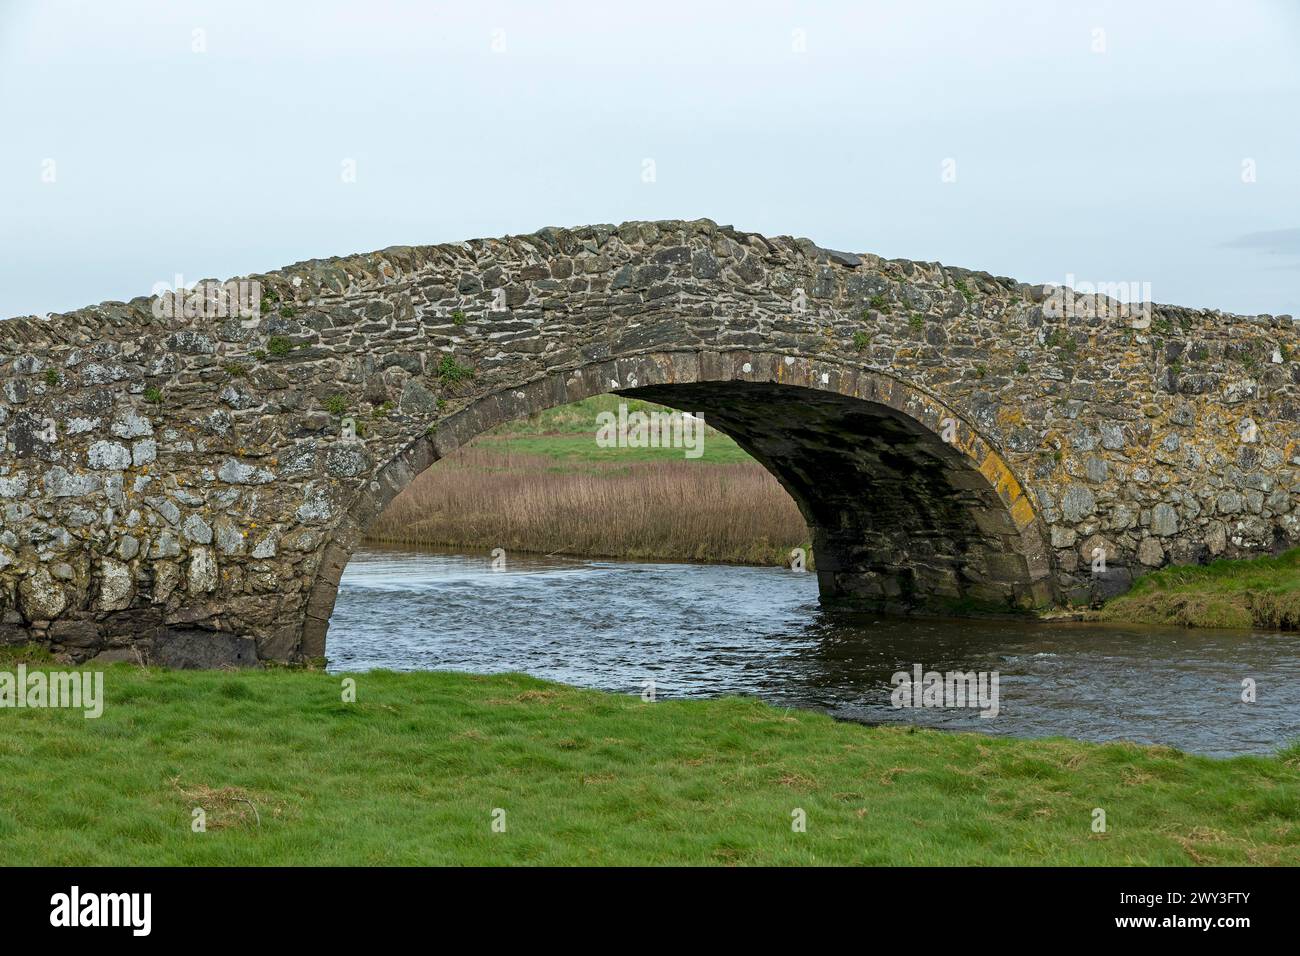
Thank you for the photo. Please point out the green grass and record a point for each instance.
(452, 372)
(1254, 592)
(568, 451)
(576, 418)
(567, 435)
(411, 773)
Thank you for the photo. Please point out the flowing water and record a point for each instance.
(712, 630)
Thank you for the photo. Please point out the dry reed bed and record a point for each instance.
(673, 509)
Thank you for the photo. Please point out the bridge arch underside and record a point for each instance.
(900, 520)
(909, 508)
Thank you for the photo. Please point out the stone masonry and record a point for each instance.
(186, 486)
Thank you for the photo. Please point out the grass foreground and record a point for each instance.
(413, 771)
(1250, 592)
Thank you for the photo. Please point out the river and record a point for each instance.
(712, 630)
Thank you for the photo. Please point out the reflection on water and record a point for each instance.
(705, 631)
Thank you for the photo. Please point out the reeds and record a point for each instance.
(670, 509)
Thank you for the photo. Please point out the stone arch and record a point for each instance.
(963, 536)
(175, 477)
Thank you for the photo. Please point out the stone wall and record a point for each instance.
(189, 488)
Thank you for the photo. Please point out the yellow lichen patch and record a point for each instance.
(1022, 513)
(1007, 487)
(1011, 417)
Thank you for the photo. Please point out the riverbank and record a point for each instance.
(545, 486)
(416, 770)
(1254, 592)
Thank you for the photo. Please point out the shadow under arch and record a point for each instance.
(910, 508)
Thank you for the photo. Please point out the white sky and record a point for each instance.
(1117, 166)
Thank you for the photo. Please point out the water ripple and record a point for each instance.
(709, 630)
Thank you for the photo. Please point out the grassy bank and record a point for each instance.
(1257, 592)
(411, 774)
(544, 485)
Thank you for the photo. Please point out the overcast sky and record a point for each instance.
(1125, 142)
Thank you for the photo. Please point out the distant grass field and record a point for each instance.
(412, 771)
(570, 451)
(567, 434)
(1255, 592)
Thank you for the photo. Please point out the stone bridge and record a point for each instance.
(185, 476)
